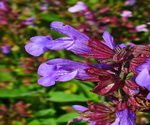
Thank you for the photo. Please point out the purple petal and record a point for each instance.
(47, 81)
(116, 122)
(78, 39)
(80, 108)
(122, 45)
(28, 21)
(79, 7)
(68, 65)
(141, 28)
(37, 45)
(60, 43)
(109, 40)
(126, 13)
(125, 117)
(46, 70)
(143, 66)
(3, 6)
(79, 47)
(92, 123)
(6, 49)
(69, 31)
(61, 70)
(67, 76)
(102, 66)
(143, 78)
(148, 96)
(130, 2)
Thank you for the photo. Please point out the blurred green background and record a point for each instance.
(22, 100)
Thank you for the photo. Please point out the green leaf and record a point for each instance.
(71, 1)
(10, 93)
(67, 117)
(93, 1)
(6, 76)
(34, 122)
(64, 97)
(50, 17)
(50, 121)
(45, 112)
(86, 88)
(18, 123)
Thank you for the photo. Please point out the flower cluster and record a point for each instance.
(96, 22)
(121, 73)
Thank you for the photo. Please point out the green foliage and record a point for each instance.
(17, 93)
(45, 112)
(67, 117)
(64, 97)
(6, 76)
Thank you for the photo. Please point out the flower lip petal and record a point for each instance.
(148, 96)
(126, 13)
(125, 117)
(92, 123)
(61, 70)
(46, 81)
(109, 40)
(37, 45)
(79, 41)
(45, 69)
(143, 78)
(40, 39)
(67, 76)
(80, 108)
(68, 30)
(80, 6)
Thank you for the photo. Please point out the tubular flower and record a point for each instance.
(4, 8)
(6, 49)
(121, 73)
(125, 117)
(61, 70)
(75, 41)
(130, 2)
(143, 78)
(79, 7)
(84, 9)
(126, 13)
(141, 28)
(96, 114)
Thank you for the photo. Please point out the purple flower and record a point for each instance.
(79, 7)
(6, 49)
(37, 45)
(61, 70)
(28, 21)
(126, 14)
(109, 40)
(79, 40)
(143, 78)
(125, 117)
(130, 2)
(44, 7)
(81, 109)
(75, 42)
(141, 28)
(3, 6)
(148, 96)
